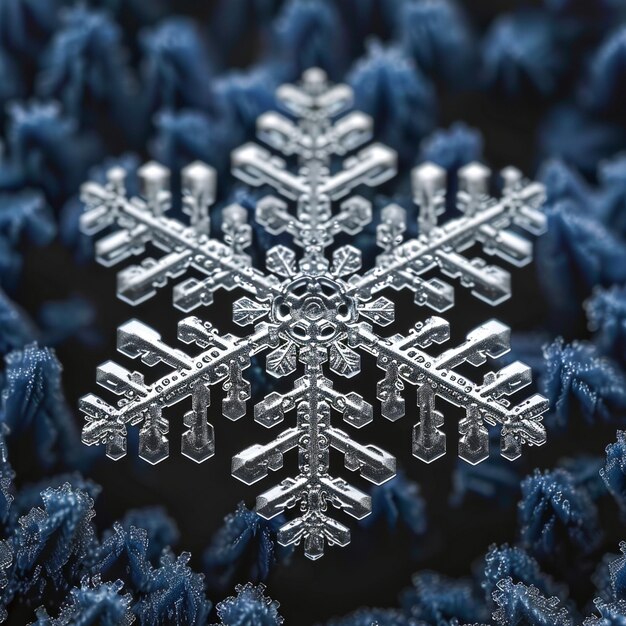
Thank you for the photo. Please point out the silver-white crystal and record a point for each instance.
(313, 312)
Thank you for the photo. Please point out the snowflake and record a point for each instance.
(315, 309)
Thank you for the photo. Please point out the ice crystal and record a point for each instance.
(315, 309)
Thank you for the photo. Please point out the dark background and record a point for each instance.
(378, 563)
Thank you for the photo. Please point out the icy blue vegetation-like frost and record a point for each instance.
(249, 607)
(45, 149)
(517, 565)
(393, 90)
(436, 599)
(247, 540)
(576, 253)
(94, 603)
(603, 90)
(379, 617)
(111, 76)
(436, 35)
(521, 51)
(308, 33)
(578, 381)
(556, 518)
(614, 471)
(24, 216)
(606, 312)
(34, 408)
(86, 65)
(521, 604)
(398, 503)
(578, 137)
(175, 66)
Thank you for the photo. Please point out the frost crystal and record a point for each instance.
(316, 309)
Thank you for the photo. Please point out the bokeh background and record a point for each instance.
(537, 85)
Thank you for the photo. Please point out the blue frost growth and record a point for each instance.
(579, 138)
(168, 594)
(393, 90)
(249, 607)
(86, 66)
(24, 216)
(72, 318)
(173, 594)
(453, 147)
(184, 136)
(70, 213)
(51, 543)
(606, 312)
(244, 547)
(576, 253)
(161, 529)
(603, 89)
(25, 25)
(495, 480)
(610, 205)
(616, 588)
(94, 603)
(436, 599)
(240, 97)
(563, 182)
(16, 329)
(398, 502)
(6, 481)
(578, 381)
(308, 33)
(521, 51)
(614, 471)
(176, 71)
(34, 408)
(520, 605)
(437, 36)
(45, 150)
(556, 517)
(29, 496)
(517, 565)
(379, 617)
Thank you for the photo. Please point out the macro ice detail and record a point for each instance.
(314, 312)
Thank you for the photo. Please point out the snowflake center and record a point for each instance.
(313, 309)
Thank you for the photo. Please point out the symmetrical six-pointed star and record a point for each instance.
(312, 309)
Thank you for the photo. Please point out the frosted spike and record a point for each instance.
(311, 314)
